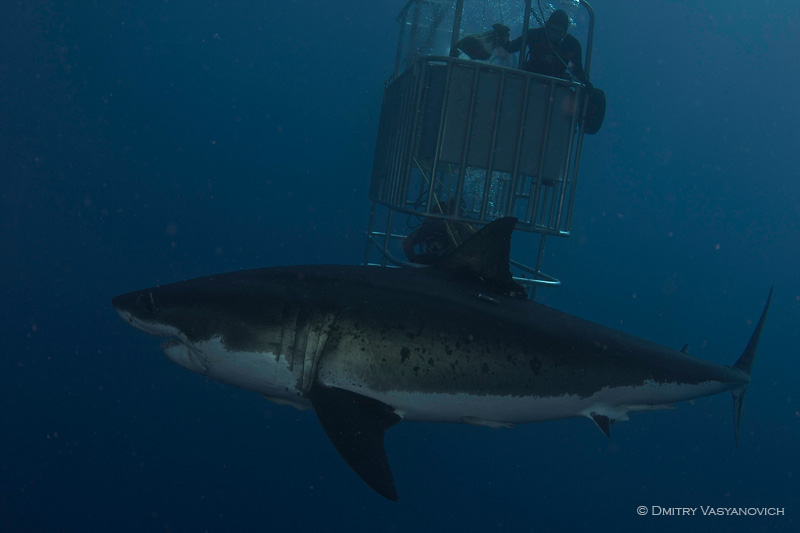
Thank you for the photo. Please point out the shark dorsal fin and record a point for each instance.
(484, 256)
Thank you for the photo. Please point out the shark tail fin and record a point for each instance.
(745, 364)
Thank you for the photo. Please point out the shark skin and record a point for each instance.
(366, 347)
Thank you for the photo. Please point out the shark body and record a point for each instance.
(456, 342)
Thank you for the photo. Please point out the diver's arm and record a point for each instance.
(577, 62)
(513, 46)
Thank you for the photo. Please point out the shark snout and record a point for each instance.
(139, 304)
(139, 310)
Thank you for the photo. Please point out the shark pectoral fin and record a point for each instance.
(603, 422)
(604, 415)
(356, 425)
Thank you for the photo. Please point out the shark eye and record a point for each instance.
(147, 302)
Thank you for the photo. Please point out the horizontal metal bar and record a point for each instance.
(388, 255)
(528, 282)
(391, 236)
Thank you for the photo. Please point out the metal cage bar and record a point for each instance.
(434, 120)
(447, 123)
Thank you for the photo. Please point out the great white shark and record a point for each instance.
(458, 341)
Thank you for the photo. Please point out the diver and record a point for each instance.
(552, 51)
(436, 237)
(480, 46)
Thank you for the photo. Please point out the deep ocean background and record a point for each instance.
(149, 142)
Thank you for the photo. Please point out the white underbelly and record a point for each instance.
(508, 409)
(262, 372)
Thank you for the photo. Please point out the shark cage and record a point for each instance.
(466, 141)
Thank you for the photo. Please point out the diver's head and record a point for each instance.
(557, 26)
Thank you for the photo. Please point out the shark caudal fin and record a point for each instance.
(745, 364)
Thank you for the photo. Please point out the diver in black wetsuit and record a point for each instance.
(552, 51)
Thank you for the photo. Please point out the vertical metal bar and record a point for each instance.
(539, 260)
(369, 234)
(515, 196)
(526, 23)
(543, 153)
(456, 28)
(552, 212)
(392, 157)
(574, 186)
(412, 41)
(403, 107)
(395, 149)
(420, 89)
(587, 64)
(387, 236)
(498, 105)
(462, 172)
(402, 18)
(515, 187)
(576, 114)
(587, 67)
(520, 129)
(405, 132)
(442, 120)
(409, 112)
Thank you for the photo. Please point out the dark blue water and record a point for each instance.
(144, 143)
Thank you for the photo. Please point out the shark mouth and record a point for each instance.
(177, 350)
(170, 344)
(185, 355)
